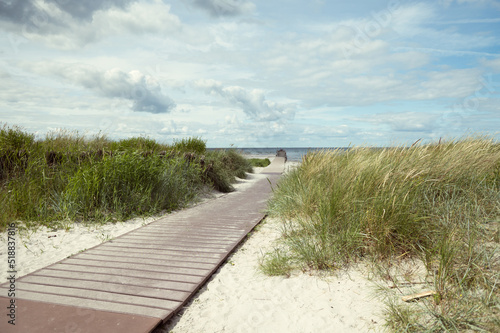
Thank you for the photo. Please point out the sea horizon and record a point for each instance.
(294, 154)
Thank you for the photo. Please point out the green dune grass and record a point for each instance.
(436, 203)
(70, 177)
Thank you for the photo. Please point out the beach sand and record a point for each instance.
(39, 248)
(238, 298)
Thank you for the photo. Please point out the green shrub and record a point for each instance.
(65, 141)
(259, 162)
(392, 195)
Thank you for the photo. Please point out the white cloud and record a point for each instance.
(493, 64)
(456, 83)
(405, 121)
(327, 132)
(143, 90)
(57, 28)
(489, 3)
(35, 11)
(172, 129)
(420, 22)
(252, 102)
(409, 19)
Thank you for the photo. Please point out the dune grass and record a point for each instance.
(436, 203)
(70, 177)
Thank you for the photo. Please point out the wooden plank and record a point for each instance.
(156, 243)
(140, 273)
(117, 248)
(44, 317)
(113, 285)
(180, 235)
(126, 280)
(100, 296)
(199, 228)
(137, 266)
(198, 236)
(183, 234)
(230, 219)
(141, 254)
(220, 217)
(159, 262)
(184, 240)
(173, 247)
(93, 304)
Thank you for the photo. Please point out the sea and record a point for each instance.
(292, 154)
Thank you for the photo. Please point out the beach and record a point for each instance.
(238, 298)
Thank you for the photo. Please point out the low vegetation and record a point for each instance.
(435, 204)
(259, 162)
(67, 176)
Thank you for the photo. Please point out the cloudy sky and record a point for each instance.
(253, 73)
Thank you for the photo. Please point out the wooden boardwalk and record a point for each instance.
(139, 280)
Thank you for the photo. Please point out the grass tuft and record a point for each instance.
(437, 202)
(193, 145)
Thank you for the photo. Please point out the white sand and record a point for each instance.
(239, 298)
(39, 248)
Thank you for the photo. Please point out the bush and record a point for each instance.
(259, 162)
(217, 173)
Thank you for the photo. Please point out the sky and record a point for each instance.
(253, 73)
